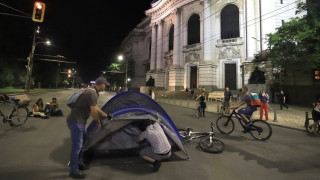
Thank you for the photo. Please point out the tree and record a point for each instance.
(297, 42)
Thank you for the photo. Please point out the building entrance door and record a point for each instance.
(193, 76)
(230, 76)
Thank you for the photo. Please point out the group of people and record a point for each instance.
(51, 109)
(85, 106)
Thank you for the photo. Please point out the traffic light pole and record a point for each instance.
(30, 63)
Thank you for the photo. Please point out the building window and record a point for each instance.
(230, 22)
(171, 37)
(194, 29)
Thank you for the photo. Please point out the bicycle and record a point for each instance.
(309, 126)
(258, 129)
(223, 108)
(18, 115)
(199, 112)
(208, 142)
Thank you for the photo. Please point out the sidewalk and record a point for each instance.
(294, 117)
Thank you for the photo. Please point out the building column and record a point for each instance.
(207, 51)
(176, 39)
(159, 46)
(153, 48)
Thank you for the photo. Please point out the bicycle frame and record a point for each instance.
(241, 121)
(200, 134)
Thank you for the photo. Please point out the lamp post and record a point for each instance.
(120, 58)
(30, 58)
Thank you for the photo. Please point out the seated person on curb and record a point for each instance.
(37, 109)
(52, 108)
(4, 98)
(160, 148)
(247, 111)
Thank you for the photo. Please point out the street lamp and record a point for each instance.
(31, 56)
(120, 58)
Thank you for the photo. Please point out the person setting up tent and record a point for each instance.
(160, 148)
(85, 105)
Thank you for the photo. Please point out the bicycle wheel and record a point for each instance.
(199, 112)
(260, 130)
(309, 126)
(18, 116)
(215, 146)
(225, 125)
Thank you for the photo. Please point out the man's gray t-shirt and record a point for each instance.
(246, 98)
(81, 112)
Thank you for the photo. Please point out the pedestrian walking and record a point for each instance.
(264, 98)
(85, 105)
(203, 104)
(283, 100)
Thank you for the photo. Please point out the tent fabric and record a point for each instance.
(126, 109)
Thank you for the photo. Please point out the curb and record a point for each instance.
(272, 124)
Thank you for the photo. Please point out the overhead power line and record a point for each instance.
(15, 9)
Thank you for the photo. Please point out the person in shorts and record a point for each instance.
(246, 111)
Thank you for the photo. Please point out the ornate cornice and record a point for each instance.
(163, 8)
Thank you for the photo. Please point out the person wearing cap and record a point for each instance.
(86, 104)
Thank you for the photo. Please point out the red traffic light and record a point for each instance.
(38, 5)
(38, 11)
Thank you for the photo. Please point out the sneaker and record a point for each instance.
(83, 167)
(77, 175)
(156, 166)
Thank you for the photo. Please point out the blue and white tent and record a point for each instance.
(127, 109)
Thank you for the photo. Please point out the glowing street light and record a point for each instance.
(120, 58)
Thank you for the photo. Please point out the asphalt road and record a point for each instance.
(40, 150)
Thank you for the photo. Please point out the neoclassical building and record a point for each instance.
(194, 43)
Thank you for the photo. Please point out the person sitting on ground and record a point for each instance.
(37, 109)
(160, 148)
(247, 111)
(4, 98)
(52, 108)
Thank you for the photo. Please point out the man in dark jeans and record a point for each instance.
(283, 100)
(86, 104)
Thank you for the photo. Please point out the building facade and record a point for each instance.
(203, 43)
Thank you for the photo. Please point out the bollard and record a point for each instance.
(188, 102)
(180, 101)
(217, 106)
(306, 121)
(174, 100)
(275, 115)
(168, 100)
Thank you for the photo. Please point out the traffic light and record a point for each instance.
(69, 73)
(38, 11)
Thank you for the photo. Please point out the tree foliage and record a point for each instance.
(297, 42)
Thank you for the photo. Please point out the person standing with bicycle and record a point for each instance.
(203, 105)
(316, 116)
(85, 105)
(227, 98)
(247, 111)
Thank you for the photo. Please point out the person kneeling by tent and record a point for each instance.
(160, 147)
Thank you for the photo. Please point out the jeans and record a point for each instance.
(78, 133)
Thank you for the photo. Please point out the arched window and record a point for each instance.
(171, 37)
(194, 29)
(230, 22)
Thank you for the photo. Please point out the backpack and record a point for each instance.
(71, 101)
(255, 100)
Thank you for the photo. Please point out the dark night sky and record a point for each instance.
(89, 32)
